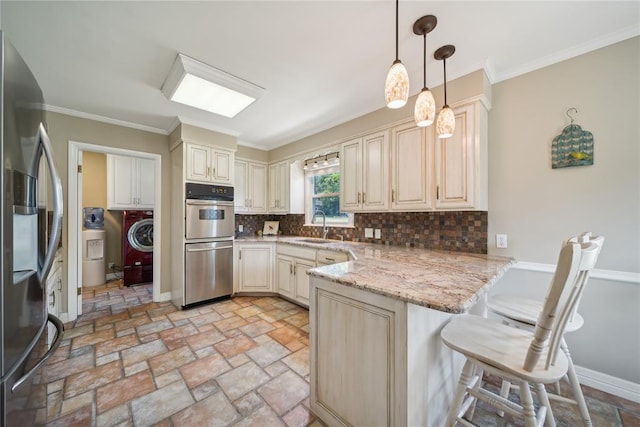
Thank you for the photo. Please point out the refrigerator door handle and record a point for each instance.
(56, 225)
(59, 334)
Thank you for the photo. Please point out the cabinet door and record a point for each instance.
(222, 166)
(455, 163)
(257, 188)
(255, 268)
(302, 280)
(375, 162)
(146, 174)
(279, 187)
(241, 184)
(285, 276)
(351, 176)
(198, 162)
(410, 177)
(121, 182)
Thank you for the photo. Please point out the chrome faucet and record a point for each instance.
(325, 230)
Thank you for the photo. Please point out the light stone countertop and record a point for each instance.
(446, 281)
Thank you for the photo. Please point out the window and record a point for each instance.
(323, 194)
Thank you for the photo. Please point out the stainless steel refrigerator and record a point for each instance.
(28, 243)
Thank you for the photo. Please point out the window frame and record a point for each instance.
(309, 195)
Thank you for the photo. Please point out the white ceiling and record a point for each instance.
(321, 62)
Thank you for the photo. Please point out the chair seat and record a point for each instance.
(501, 346)
(526, 310)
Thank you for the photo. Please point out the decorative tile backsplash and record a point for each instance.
(463, 231)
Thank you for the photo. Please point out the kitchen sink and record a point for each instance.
(317, 241)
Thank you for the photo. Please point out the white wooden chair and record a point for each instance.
(523, 313)
(516, 355)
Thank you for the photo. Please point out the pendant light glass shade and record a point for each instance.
(396, 88)
(446, 124)
(425, 109)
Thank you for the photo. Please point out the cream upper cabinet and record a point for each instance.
(250, 192)
(363, 173)
(461, 162)
(209, 164)
(130, 182)
(411, 167)
(279, 187)
(254, 267)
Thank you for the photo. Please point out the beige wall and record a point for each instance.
(63, 128)
(94, 194)
(538, 206)
(465, 87)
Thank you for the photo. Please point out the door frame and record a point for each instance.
(74, 234)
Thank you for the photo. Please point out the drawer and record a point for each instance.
(297, 251)
(331, 257)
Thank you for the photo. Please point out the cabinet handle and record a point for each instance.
(363, 197)
(214, 172)
(437, 192)
(358, 197)
(240, 254)
(60, 284)
(329, 259)
(393, 195)
(295, 267)
(290, 268)
(53, 299)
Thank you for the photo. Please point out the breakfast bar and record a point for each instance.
(376, 357)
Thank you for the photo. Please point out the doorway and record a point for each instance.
(75, 218)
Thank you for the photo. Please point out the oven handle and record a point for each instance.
(208, 202)
(213, 248)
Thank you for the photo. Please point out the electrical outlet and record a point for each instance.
(368, 233)
(112, 265)
(240, 228)
(501, 241)
(378, 233)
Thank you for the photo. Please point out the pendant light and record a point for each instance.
(446, 123)
(425, 109)
(396, 87)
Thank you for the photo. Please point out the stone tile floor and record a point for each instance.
(128, 361)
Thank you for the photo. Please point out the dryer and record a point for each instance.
(137, 247)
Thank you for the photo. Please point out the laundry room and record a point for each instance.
(117, 220)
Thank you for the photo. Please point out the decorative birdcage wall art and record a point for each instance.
(573, 147)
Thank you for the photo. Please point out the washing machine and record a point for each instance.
(137, 247)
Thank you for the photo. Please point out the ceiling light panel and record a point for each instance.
(201, 86)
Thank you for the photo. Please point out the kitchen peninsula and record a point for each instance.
(376, 354)
(376, 357)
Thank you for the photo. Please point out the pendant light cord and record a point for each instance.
(424, 68)
(445, 82)
(397, 1)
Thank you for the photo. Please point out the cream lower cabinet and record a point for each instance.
(292, 265)
(254, 267)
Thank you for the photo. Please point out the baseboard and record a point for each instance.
(112, 276)
(609, 384)
(164, 296)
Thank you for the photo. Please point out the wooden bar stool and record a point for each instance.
(523, 313)
(519, 356)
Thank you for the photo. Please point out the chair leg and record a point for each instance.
(479, 373)
(526, 401)
(575, 387)
(465, 377)
(504, 392)
(544, 401)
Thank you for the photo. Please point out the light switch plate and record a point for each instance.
(240, 228)
(368, 233)
(378, 233)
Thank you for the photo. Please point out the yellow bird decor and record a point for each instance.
(573, 147)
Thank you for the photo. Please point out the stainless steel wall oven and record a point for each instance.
(209, 231)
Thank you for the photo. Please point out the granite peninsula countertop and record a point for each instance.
(446, 281)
